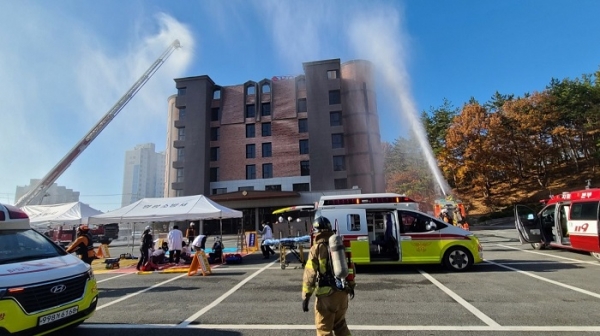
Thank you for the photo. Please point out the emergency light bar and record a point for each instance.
(371, 200)
(13, 213)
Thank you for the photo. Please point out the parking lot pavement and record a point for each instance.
(517, 291)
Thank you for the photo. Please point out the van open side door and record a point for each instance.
(528, 225)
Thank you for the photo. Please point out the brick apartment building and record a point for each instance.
(283, 141)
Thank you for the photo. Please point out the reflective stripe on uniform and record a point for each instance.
(308, 289)
(325, 290)
(311, 265)
(323, 266)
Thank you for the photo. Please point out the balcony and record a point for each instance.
(177, 164)
(179, 123)
(179, 143)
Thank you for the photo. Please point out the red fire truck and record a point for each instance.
(569, 221)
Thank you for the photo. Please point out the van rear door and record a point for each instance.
(528, 225)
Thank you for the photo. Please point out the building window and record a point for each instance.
(337, 140)
(217, 94)
(250, 111)
(274, 187)
(266, 88)
(179, 175)
(265, 109)
(215, 133)
(301, 83)
(266, 129)
(218, 191)
(266, 150)
(302, 105)
(182, 113)
(247, 188)
(332, 74)
(302, 125)
(267, 170)
(250, 131)
(335, 97)
(340, 183)
(250, 90)
(214, 174)
(250, 172)
(304, 146)
(250, 151)
(339, 163)
(214, 153)
(215, 114)
(335, 118)
(181, 91)
(180, 154)
(178, 192)
(181, 134)
(304, 168)
(301, 187)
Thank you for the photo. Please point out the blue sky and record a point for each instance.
(64, 64)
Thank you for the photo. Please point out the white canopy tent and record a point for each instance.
(73, 213)
(167, 209)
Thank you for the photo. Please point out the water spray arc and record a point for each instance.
(377, 36)
(68, 159)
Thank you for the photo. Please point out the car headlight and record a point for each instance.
(91, 274)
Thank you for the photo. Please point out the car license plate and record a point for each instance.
(59, 315)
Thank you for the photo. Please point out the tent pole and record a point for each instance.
(221, 227)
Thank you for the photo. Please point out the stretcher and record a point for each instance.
(295, 245)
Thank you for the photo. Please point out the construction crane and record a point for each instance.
(62, 165)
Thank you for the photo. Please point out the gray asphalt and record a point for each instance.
(519, 291)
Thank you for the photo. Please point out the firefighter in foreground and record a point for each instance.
(83, 246)
(326, 274)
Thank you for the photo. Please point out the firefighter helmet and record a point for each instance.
(321, 224)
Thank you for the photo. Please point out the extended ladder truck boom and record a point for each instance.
(66, 161)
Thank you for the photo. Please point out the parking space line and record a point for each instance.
(204, 310)
(139, 292)
(486, 319)
(577, 289)
(552, 256)
(351, 327)
(118, 276)
(530, 263)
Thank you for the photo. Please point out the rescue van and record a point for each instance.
(42, 287)
(388, 228)
(569, 221)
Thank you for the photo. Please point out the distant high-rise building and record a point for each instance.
(54, 195)
(144, 174)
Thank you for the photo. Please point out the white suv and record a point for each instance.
(42, 287)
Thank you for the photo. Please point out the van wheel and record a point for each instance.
(458, 259)
(595, 255)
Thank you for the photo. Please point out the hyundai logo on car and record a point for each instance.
(58, 289)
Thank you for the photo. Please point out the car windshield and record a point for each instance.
(24, 245)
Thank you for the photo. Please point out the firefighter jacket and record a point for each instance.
(315, 264)
(83, 246)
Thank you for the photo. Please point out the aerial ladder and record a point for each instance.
(66, 161)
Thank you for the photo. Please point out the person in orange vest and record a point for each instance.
(83, 246)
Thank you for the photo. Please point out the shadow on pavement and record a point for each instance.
(99, 330)
(524, 265)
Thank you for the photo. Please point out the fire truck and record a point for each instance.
(388, 228)
(103, 234)
(568, 220)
